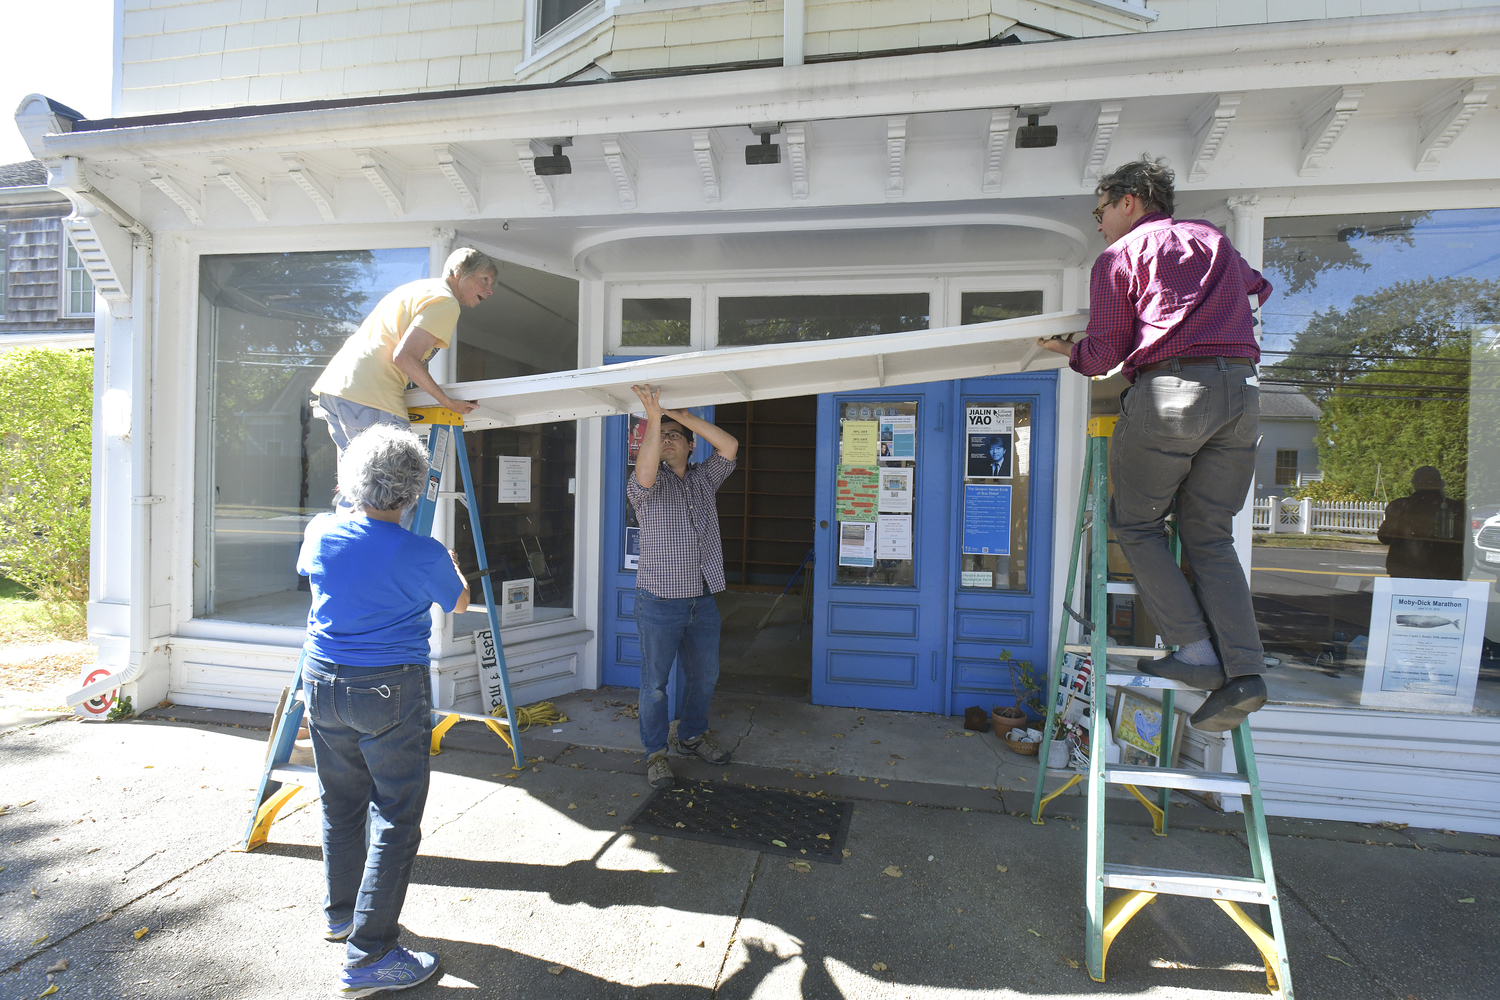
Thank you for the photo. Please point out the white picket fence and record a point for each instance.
(1293, 516)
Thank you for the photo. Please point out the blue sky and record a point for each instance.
(70, 61)
(1461, 243)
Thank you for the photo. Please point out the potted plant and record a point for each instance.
(1028, 695)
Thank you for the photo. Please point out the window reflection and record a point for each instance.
(1386, 325)
(268, 324)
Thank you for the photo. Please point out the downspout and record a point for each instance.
(141, 500)
(793, 31)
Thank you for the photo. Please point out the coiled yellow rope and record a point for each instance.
(543, 713)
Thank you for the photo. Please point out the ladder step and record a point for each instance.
(295, 774)
(1175, 883)
(1172, 777)
(1124, 680)
(1137, 651)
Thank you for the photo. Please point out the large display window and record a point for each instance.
(1375, 541)
(267, 325)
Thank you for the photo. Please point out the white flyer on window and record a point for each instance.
(990, 419)
(1425, 644)
(514, 600)
(895, 491)
(515, 479)
(893, 536)
(1023, 451)
(856, 543)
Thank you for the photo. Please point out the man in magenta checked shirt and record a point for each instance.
(1169, 303)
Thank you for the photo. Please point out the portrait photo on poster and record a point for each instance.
(990, 456)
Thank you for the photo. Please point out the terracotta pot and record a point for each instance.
(1007, 718)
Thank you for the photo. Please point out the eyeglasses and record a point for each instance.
(1098, 214)
(673, 436)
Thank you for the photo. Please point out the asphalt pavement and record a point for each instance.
(117, 856)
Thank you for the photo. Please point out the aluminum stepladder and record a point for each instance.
(288, 768)
(1141, 884)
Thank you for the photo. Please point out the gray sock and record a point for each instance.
(1200, 653)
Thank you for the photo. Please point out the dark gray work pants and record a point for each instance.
(1189, 435)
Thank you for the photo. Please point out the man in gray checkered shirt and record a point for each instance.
(681, 568)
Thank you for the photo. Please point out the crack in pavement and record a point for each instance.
(734, 933)
(746, 734)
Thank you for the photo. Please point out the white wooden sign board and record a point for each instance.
(737, 374)
(1425, 644)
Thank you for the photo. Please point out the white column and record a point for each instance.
(794, 28)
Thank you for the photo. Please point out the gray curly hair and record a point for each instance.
(1150, 180)
(466, 261)
(385, 467)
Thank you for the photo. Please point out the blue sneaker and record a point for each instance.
(398, 970)
(339, 932)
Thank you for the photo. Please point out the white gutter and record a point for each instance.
(793, 31)
(1420, 46)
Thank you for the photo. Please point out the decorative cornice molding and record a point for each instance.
(796, 155)
(895, 158)
(247, 188)
(161, 178)
(526, 156)
(300, 170)
(462, 172)
(620, 158)
(997, 140)
(1209, 125)
(708, 152)
(385, 177)
(1443, 119)
(1322, 125)
(1106, 121)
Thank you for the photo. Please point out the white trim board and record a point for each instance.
(775, 371)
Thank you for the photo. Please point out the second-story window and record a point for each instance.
(551, 13)
(80, 286)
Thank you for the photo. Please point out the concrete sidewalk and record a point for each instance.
(528, 887)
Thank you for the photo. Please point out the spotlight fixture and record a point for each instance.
(1033, 135)
(765, 151)
(557, 163)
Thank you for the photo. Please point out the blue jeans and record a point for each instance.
(372, 732)
(345, 422)
(1189, 436)
(685, 629)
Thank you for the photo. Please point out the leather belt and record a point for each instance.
(1186, 362)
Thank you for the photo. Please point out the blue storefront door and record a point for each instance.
(1002, 599)
(881, 600)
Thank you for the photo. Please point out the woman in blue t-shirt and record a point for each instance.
(364, 677)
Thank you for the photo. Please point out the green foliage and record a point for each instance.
(1391, 372)
(121, 709)
(1025, 683)
(1328, 491)
(45, 447)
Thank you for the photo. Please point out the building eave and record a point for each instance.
(1344, 51)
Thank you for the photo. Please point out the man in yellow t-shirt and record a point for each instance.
(365, 383)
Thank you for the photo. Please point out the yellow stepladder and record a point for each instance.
(288, 767)
(1142, 885)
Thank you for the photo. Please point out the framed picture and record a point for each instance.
(1138, 728)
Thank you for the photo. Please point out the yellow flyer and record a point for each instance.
(861, 439)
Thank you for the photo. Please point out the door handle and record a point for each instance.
(939, 427)
(934, 662)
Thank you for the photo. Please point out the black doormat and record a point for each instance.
(757, 819)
